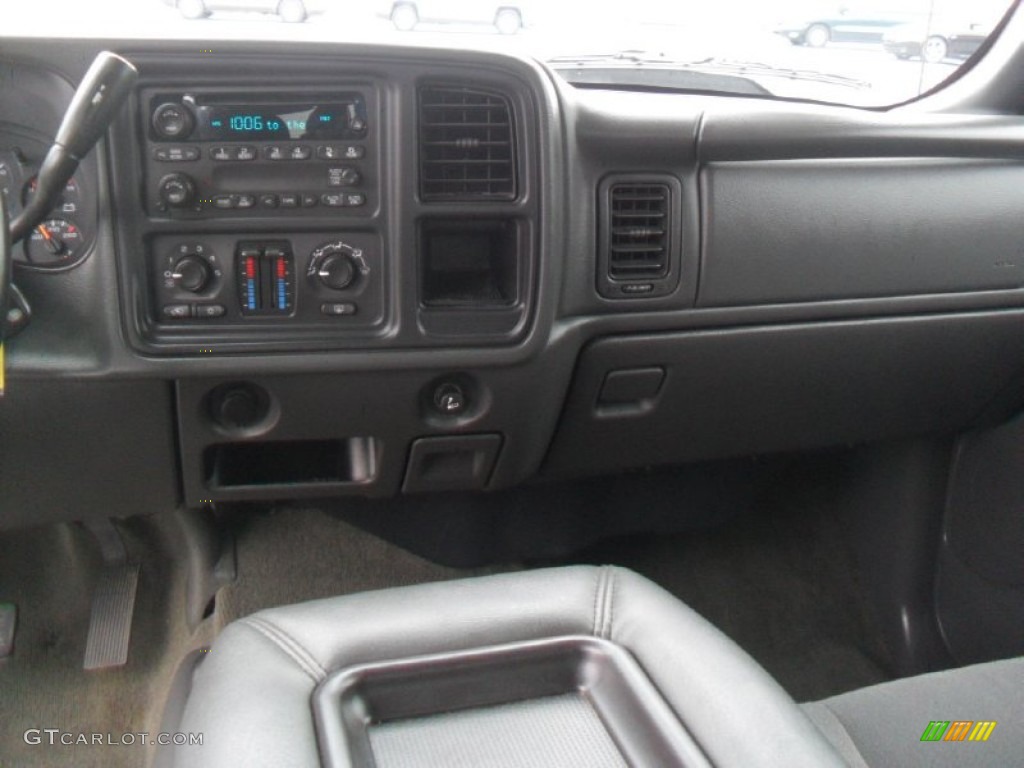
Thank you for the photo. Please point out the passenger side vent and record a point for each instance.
(638, 236)
(467, 145)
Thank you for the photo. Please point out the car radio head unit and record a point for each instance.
(255, 153)
(188, 117)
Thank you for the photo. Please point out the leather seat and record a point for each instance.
(251, 695)
(884, 725)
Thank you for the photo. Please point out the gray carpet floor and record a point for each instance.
(780, 583)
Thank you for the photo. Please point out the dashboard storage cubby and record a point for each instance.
(290, 463)
(469, 264)
(554, 702)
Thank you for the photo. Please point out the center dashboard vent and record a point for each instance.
(637, 236)
(467, 145)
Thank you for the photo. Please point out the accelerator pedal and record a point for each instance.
(113, 602)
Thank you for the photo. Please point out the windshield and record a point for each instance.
(874, 53)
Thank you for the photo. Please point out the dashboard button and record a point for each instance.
(354, 152)
(289, 201)
(328, 152)
(310, 200)
(245, 201)
(338, 308)
(300, 152)
(274, 152)
(333, 199)
(210, 310)
(245, 153)
(224, 201)
(355, 199)
(177, 311)
(268, 201)
(223, 153)
(343, 176)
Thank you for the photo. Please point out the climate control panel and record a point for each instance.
(297, 280)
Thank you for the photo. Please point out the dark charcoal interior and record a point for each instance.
(790, 396)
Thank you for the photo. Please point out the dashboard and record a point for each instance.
(375, 270)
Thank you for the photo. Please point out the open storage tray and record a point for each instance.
(567, 701)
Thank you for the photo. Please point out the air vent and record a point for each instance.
(639, 236)
(639, 232)
(467, 146)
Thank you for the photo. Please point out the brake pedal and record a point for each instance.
(113, 602)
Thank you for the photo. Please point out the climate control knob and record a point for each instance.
(177, 190)
(337, 265)
(192, 274)
(337, 271)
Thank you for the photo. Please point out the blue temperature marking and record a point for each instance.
(251, 290)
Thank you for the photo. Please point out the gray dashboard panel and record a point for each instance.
(818, 230)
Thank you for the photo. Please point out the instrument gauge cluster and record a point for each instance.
(66, 235)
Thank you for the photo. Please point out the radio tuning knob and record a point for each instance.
(177, 190)
(192, 274)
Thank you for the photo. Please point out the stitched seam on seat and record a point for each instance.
(303, 658)
(611, 604)
(599, 601)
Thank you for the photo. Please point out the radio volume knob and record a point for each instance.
(173, 121)
(177, 190)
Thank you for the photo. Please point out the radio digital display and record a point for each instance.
(334, 120)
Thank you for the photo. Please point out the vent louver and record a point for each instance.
(467, 146)
(638, 240)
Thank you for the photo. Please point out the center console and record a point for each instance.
(375, 219)
(312, 206)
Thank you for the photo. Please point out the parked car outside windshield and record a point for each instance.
(877, 53)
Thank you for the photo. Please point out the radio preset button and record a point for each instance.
(245, 153)
(274, 152)
(223, 153)
(301, 152)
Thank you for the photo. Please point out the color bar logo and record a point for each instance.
(958, 730)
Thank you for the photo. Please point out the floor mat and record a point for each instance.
(780, 582)
(291, 555)
(49, 573)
